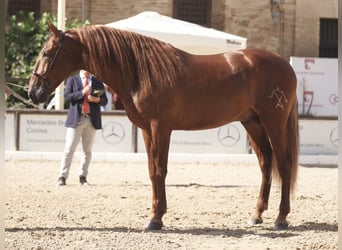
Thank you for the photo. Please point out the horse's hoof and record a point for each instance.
(154, 225)
(281, 226)
(254, 221)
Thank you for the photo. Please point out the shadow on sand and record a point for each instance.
(236, 233)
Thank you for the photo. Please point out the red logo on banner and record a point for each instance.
(308, 63)
(333, 99)
(308, 97)
(308, 100)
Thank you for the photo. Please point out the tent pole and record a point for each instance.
(59, 93)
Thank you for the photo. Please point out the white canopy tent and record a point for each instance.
(187, 36)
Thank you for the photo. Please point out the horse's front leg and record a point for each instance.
(157, 141)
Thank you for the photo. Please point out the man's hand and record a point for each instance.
(94, 99)
(86, 90)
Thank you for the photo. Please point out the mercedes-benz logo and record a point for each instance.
(228, 135)
(113, 133)
(334, 137)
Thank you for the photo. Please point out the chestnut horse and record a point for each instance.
(163, 88)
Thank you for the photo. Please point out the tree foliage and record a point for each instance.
(25, 37)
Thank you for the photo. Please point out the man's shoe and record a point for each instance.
(83, 180)
(61, 181)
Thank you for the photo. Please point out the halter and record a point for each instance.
(43, 76)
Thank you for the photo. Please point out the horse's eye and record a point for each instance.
(46, 54)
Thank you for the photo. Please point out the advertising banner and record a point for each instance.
(9, 132)
(317, 86)
(115, 136)
(41, 132)
(228, 139)
(318, 137)
(47, 133)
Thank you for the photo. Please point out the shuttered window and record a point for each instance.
(195, 11)
(25, 5)
(328, 43)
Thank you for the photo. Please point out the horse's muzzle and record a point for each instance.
(32, 97)
(38, 94)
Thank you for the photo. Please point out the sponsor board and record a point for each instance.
(9, 132)
(317, 86)
(318, 137)
(46, 133)
(115, 136)
(228, 139)
(41, 132)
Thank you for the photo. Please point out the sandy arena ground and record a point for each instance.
(208, 208)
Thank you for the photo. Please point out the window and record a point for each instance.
(25, 5)
(195, 11)
(328, 42)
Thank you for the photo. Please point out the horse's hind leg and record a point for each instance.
(278, 139)
(263, 150)
(284, 142)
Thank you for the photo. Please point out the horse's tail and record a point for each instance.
(292, 146)
(292, 130)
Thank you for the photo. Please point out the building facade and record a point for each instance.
(289, 27)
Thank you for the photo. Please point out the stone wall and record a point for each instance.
(106, 11)
(307, 24)
(218, 14)
(288, 27)
(253, 19)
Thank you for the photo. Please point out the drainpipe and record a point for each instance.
(277, 14)
(83, 11)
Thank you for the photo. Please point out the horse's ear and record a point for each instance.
(52, 28)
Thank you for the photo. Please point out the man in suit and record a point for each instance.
(85, 95)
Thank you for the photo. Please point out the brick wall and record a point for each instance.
(253, 19)
(106, 11)
(296, 32)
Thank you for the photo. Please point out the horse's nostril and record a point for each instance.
(29, 94)
(32, 97)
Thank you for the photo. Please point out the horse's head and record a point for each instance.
(55, 62)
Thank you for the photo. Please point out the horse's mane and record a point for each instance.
(142, 60)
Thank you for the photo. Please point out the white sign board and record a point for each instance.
(228, 139)
(47, 133)
(41, 132)
(9, 132)
(317, 86)
(318, 137)
(115, 136)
